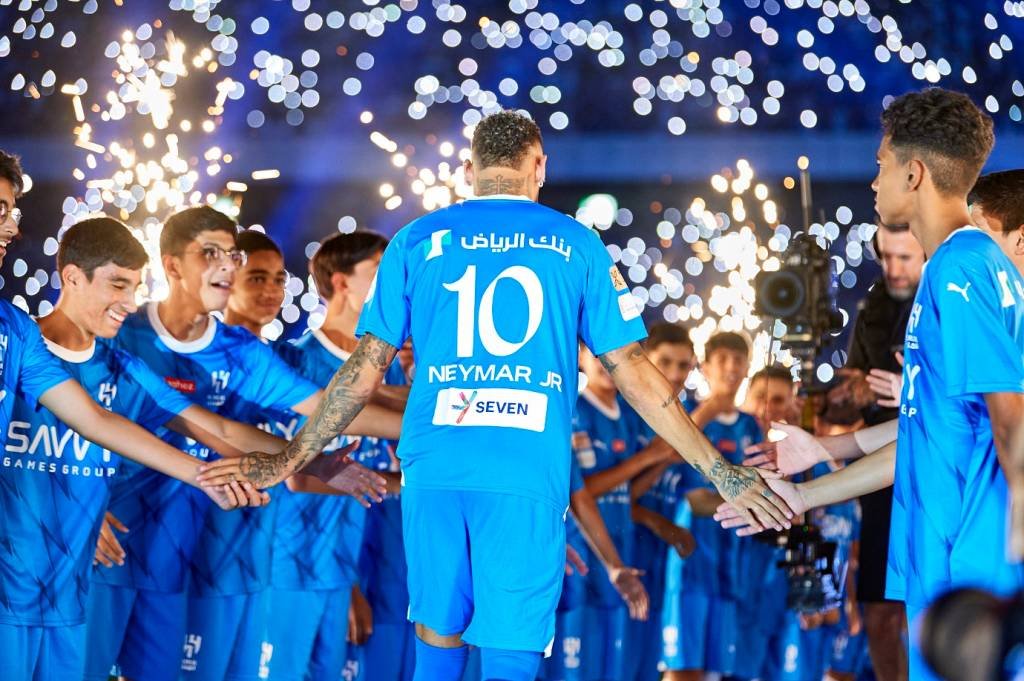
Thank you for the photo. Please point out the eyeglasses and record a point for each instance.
(6, 212)
(214, 254)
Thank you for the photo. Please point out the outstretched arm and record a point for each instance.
(798, 451)
(72, 405)
(650, 394)
(870, 474)
(626, 580)
(343, 399)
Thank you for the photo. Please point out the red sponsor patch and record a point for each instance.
(618, 445)
(727, 446)
(180, 384)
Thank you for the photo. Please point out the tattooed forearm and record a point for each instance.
(344, 397)
(499, 184)
(613, 359)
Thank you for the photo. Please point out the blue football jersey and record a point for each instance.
(496, 291)
(650, 552)
(54, 486)
(316, 543)
(229, 371)
(604, 437)
(27, 369)
(383, 572)
(965, 339)
(720, 562)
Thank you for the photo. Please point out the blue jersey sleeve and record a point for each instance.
(610, 317)
(989, 358)
(278, 385)
(386, 310)
(39, 369)
(164, 402)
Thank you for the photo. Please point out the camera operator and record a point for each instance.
(877, 339)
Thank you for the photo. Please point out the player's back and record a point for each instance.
(495, 293)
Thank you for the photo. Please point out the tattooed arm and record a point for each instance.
(649, 393)
(344, 397)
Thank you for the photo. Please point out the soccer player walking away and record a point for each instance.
(496, 291)
(953, 464)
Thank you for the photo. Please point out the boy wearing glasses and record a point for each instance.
(137, 612)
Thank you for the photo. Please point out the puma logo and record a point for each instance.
(962, 291)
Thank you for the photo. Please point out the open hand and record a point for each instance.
(747, 491)
(626, 581)
(887, 386)
(108, 549)
(729, 517)
(793, 454)
(348, 477)
(235, 494)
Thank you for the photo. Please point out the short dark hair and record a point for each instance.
(665, 333)
(250, 241)
(952, 135)
(1001, 195)
(10, 170)
(726, 340)
(98, 241)
(341, 253)
(185, 225)
(503, 139)
(772, 373)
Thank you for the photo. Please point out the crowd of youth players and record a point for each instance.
(117, 564)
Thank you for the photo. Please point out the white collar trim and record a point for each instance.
(614, 413)
(73, 356)
(175, 345)
(965, 228)
(329, 345)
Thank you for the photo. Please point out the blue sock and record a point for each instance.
(439, 664)
(508, 665)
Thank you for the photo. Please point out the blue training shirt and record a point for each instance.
(27, 368)
(650, 552)
(317, 539)
(55, 486)
(718, 566)
(383, 572)
(495, 291)
(604, 437)
(965, 339)
(231, 372)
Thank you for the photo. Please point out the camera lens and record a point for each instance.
(780, 294)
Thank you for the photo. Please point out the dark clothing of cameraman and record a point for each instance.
(877, 337)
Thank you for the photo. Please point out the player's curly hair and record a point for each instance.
(946, 130)
(503, 139)
(1001, 195)
(99, 241)
(10, 170)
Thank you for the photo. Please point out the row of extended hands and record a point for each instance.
(225, 484)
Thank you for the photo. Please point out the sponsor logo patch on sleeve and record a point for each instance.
(617, 281)
(628, 307)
